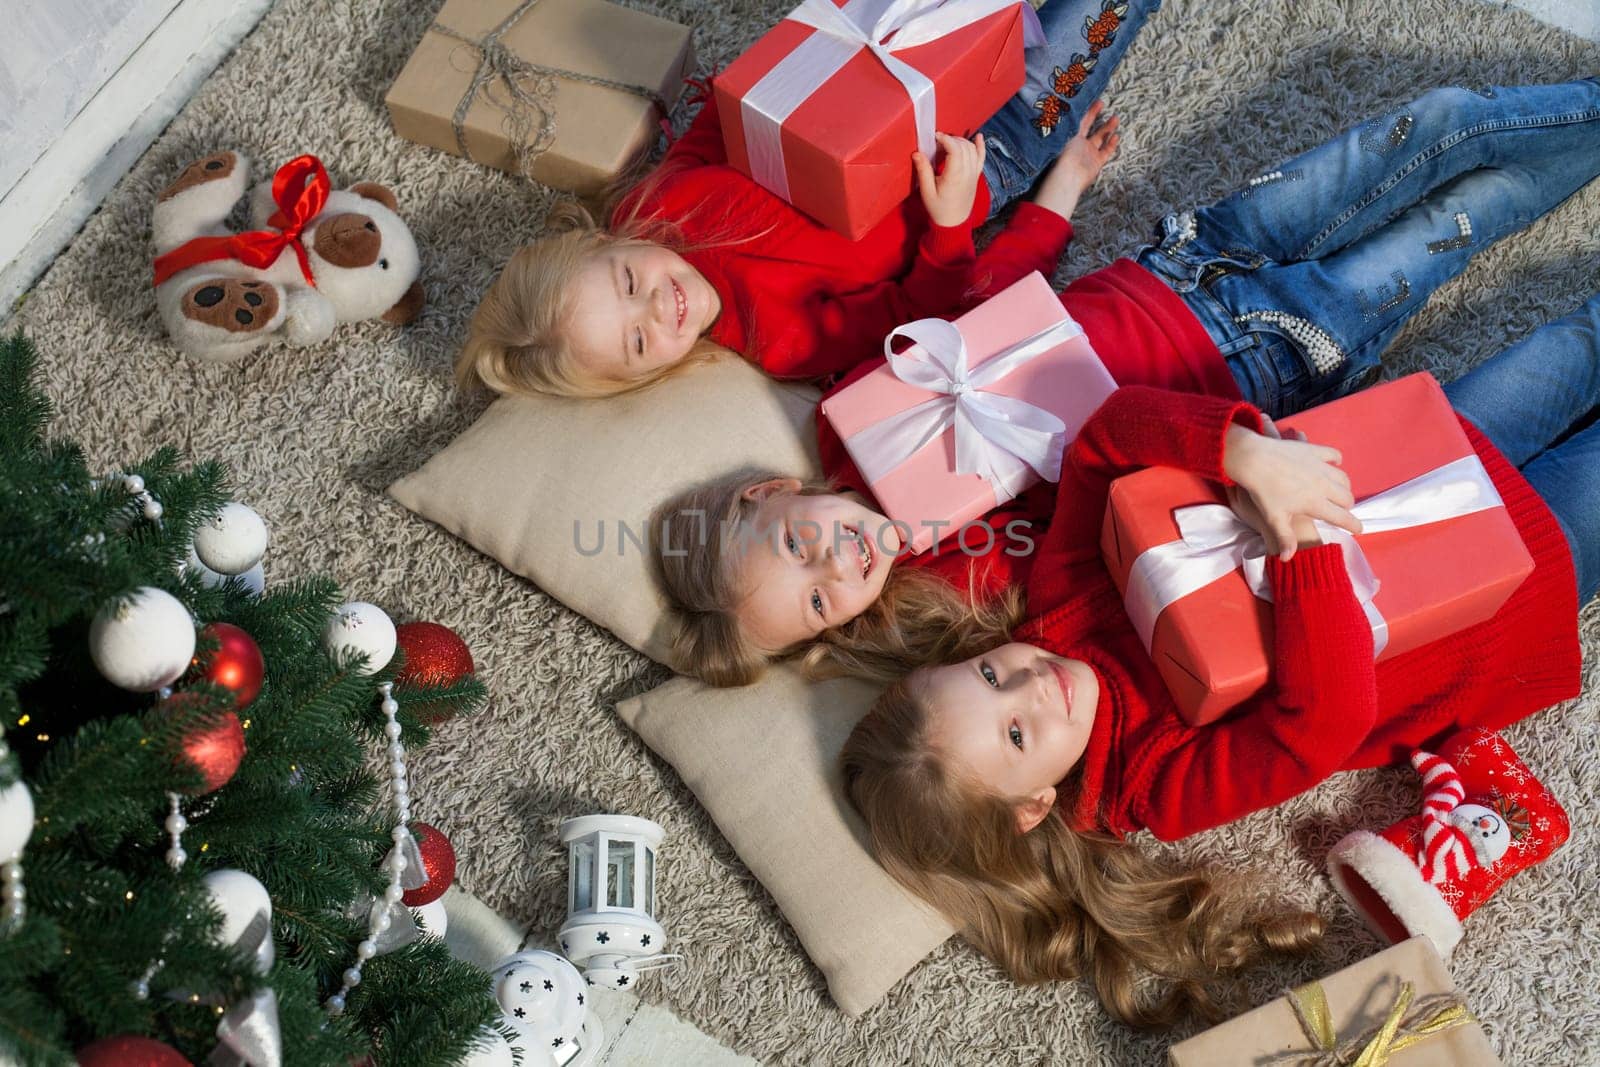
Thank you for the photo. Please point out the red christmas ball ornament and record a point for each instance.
(214, 745)
(435, 656)
(438, 860)
(236, 665)
(126, 1050)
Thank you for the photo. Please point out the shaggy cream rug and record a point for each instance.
(1215, 91)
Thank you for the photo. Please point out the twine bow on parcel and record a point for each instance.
(531, 88)
(1404, 1025)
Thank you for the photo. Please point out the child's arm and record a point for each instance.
(1038, 234)
(1278, 747)
(1137, 426)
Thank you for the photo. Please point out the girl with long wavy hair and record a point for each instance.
(1000, 779)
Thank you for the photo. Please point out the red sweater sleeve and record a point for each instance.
(1138, 426)
(1034, 240)
(847, 328)
(1324, 707)
(701, 144)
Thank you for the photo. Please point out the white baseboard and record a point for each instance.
(51, 202)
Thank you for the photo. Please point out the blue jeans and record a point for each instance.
(1537, 402)
(1084, 42)
(1304, 277)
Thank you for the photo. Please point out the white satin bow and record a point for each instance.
(997, 437)
(791, 81)
(1214, 542)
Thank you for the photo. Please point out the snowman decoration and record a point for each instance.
(546, 1001)
(1457, 835)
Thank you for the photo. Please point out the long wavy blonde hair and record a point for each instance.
(697, 545)
(1053, 903)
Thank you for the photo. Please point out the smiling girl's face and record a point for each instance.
(637, 307)
(1016, 718)
(808, 562)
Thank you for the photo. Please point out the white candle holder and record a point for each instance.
(611, 932)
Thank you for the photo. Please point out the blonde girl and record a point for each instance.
(700, 258)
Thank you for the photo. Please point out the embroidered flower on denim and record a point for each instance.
(1051, 108)
(1100, 30)
(1068, 79)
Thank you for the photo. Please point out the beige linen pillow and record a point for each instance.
(787, 817)
(547, 485)
(514, 484)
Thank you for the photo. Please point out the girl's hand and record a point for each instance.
(1081, 162)
(1244, 506)
(949, 195)
(1287, 479)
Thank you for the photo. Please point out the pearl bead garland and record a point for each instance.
(378, 920)
(176, 824)
(149, 506)
(11, 887)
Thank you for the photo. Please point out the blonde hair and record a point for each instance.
(1052, 903)
(517, 338)
(697, 546)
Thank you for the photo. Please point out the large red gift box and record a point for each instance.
(843, 154)
(1213, 646)
(923, 491)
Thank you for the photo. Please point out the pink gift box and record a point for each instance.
(925, 492)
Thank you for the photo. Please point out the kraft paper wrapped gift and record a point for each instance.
(908, 424)
(597, 130)
(827, 122)
(1442, 562)
(1436, 1029)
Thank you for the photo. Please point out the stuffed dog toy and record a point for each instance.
(316, 257)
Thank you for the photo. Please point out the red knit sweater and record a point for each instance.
(1333, 709)
(798, 299)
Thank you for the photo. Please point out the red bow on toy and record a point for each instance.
(300, 189)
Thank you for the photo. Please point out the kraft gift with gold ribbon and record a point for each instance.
(826, 108)
(970, 413)
(1438, 553)
(1396, 1009)
(570, 93)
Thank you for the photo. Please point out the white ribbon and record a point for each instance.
(841, 34)
(998, 437)
(1215, 542)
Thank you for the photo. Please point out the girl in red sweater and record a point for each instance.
(1285, 293)
(995, 785)
(699, 258)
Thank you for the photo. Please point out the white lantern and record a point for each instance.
(546, 1001)
(611, 897)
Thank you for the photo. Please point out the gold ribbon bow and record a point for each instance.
(1404, 1025)
(531, 87)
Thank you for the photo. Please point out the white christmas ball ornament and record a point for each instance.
(240, 897)
(431, 917)
(364, 628)
(143, 641)
(254, 579)
(233, 541)
(492, 1050)
(16, 819)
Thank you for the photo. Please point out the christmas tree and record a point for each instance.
(136, 817)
